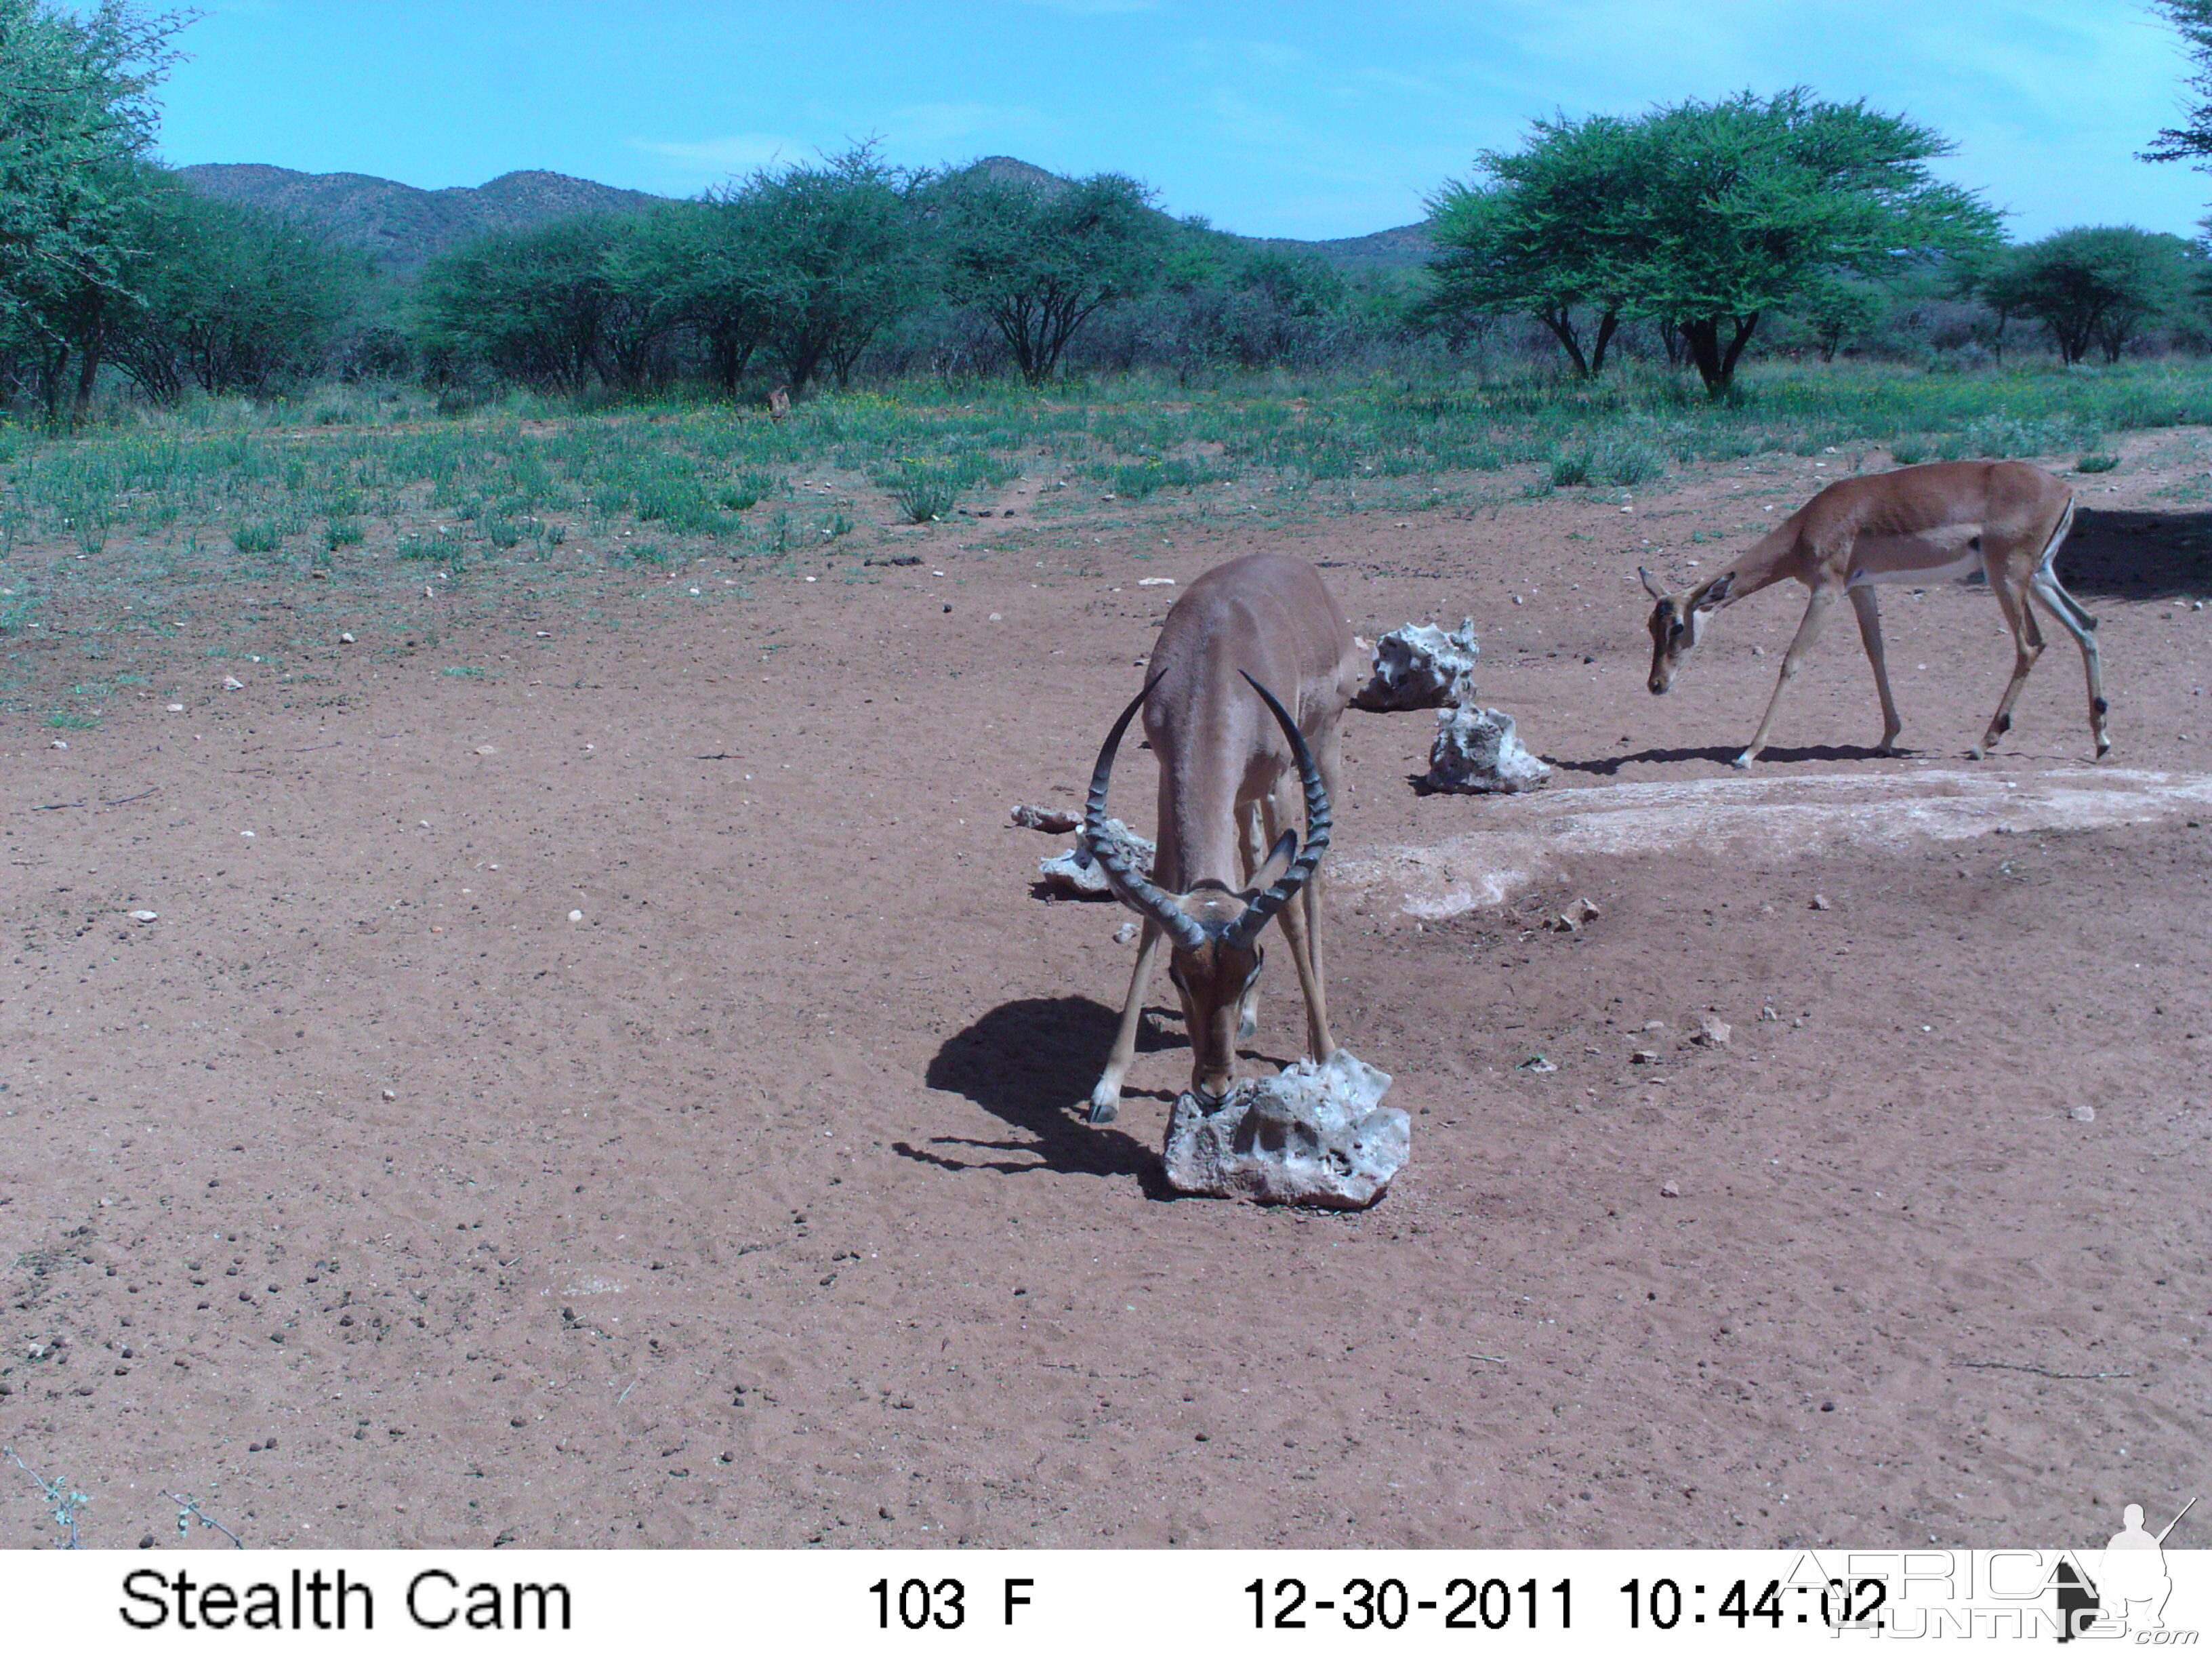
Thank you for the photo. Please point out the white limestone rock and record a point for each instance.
(1421, 668)
(1317, 1134)
(1076, 874)
(1477, 753)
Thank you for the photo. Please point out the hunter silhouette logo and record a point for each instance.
(2129, 1590)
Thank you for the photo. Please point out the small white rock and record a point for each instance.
(1125, 933)
(1820, 902)
(1669, 1189)
(389, 1094)
(145, 915)
(2083, 1114)
(176, 708)
(575, 915)
(1153, 581)
(58, 744)
(345, 639)
(247, 834)
(232, 682)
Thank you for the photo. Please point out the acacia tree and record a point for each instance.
(1836, 307)
(76, 114)
(557, 306)
(1707, 216)
(1539, 236)
(2098, 285)
(228, 297)
(1747, 202)
(2192, 139)
(1040, 259)
(704, 261)
(838, 256)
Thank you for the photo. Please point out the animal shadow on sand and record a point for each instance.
(1032, 1063)
(1606, 766)
(2131, 554)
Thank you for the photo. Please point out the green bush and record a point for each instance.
(1614, 457)
(1624, 460)
(2003, 437)
(681, 503)
(1139, 479)
(923, 490)
(341, 532)
(2096, 464)
(746, 489)
(255, 539)
(500, 531)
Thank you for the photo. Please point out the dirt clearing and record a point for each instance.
(620, 1087)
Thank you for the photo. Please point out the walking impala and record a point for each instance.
(1246, 635)
(1920, 525)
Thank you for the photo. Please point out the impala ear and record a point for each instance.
(1276, 861)
(1718, 591)
(1649, 586)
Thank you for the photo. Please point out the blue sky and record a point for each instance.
(1286, 118)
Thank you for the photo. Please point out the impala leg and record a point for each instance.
(1106, 1098)
(1297, 918)
(1301, 919)
(1329, 761)
(2081, 625)
(1816, 611)
(1259, 832)
(2028, 646)
(1863, 601)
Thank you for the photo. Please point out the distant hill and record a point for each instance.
(1401, 249)
(405, 227)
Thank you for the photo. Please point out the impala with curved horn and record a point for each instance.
(1229, 752)
(1919, 525)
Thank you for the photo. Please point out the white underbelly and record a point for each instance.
(1920, 560)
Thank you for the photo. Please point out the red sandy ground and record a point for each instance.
(371, 1199)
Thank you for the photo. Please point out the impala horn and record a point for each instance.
(1135, 890)
(1246, 927)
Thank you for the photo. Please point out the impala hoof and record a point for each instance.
(1978, 753)
(1743, 763)
(1103, 1111)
